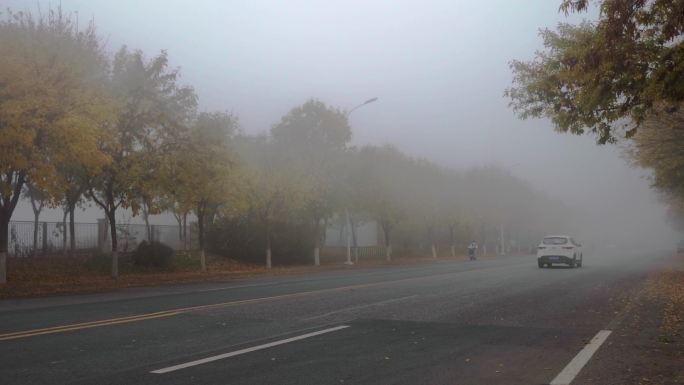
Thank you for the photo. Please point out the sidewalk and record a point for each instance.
(66, 276)
(647, 347)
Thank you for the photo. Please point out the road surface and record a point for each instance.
(497, 321)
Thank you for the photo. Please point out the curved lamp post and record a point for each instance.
(346, 210)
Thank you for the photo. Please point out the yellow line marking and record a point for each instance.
(86, 324)
(66, 328)
(172, 312)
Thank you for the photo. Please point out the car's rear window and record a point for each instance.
(555, 241)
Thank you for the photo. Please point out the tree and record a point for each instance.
(605, 76)
(147, 195)
(208, 179)
(455, 215)
(313, 138)
(272, 191)
(38, 200)
(73, 177)
(313, 128)
(660, 148)
(381, 188)
(196, 172)
(52, 104)
(432, 199)
(151, 108)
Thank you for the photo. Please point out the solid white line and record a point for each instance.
(569, 373)
(247, 350)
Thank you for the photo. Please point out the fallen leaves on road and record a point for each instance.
(668, 286)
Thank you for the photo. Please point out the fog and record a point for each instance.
(439, 69)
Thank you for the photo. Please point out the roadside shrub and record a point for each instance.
(101, 263)
(152, 254)
(244, 239)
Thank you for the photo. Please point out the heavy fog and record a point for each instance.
(439, 69)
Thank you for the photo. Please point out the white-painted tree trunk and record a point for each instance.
(434, 251)
(203, 261)
(268, 257)
(317, 256)
(65, 234)
(115, 264)
(348, 234)
(453, 250)
(3, 267)
(388, 253)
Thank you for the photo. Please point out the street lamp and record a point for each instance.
(346, 210)
(369, 101)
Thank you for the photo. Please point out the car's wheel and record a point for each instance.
(541, 265)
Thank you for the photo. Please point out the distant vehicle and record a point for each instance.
(559, 249)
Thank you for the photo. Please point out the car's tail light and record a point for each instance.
(568, 247)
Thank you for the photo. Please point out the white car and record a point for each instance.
(559, 249)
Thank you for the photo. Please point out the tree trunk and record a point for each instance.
(452, 238)
(4, 235)
(388, 244)
(72, 228)
(37, 208)
(203, 261)
(36, 217)
(146, 219)
(179, 220)
(200, 228)
(185, 231)
(354, 239)
(268, 248)
(317, 244)
(64, 230)
(434, 251)
(111, 215)
(503, 243)
(317, 256)
(9, 203)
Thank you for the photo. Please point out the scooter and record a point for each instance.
(471, 254)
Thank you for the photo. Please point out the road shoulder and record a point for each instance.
(647, 346)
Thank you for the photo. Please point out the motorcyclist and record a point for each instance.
(472, 250)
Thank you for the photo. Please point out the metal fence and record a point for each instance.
(51, 239)
(129, 236)
(365, 252)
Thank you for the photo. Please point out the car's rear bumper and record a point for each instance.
(555, 259)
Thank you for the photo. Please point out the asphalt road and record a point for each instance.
(499, 321)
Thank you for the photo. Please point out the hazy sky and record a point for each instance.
(439, 69)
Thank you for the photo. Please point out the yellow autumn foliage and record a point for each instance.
(53, 103)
